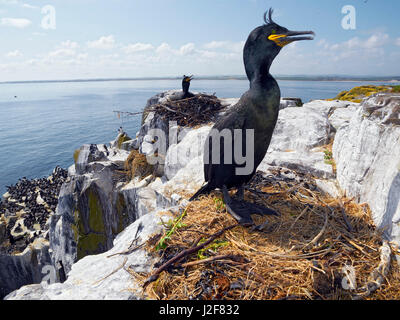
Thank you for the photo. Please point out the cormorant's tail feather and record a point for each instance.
(204, 190)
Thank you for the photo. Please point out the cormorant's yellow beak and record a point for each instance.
(277, 38)
(284, 39)
(188, 79)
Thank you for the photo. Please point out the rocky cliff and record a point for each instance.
(103, 216)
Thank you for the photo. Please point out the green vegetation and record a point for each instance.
(172, 226)
(90, 236)
(219, 204)
(357, 94)
(96, 222)
(121, 215)
(76, 155)
(328, 157)
(121, 139)
(212, 247)
(91, 244)
(396, 89)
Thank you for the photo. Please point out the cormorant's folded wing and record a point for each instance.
(232, 121)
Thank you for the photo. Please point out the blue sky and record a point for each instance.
(138, 38)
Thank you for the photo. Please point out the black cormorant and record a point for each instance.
(185, 87)
(257, 111)
(185, 93)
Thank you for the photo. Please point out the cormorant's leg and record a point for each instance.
(234, 210)
(240, 193)
(242, 210)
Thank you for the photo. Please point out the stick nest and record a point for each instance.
(136, 165)
(190, 112)
(303, 254)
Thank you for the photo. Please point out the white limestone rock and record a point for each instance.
(329, 186)
(89, 153)
(367, 155)
(228, 102)
(27, 267)
(311, 162)
(181, 154)
(297, 137)
(92, 209)
(300, 129)
(187, 180)
(290, 103)
(327, 107)
(104, 276)
(342, 116)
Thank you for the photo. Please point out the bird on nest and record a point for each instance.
(254, 116)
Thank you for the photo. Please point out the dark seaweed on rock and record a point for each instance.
(190, 112)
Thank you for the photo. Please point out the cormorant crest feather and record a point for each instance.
(269, 19)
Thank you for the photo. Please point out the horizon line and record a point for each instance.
(322, 77)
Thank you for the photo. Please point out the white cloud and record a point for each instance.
(215, 44)
(164, 48)
(29, 6)
(69, 44)
(397, 42)
(356, 56)
(104, 43)
(187, 49)
(377, 40)
(65, 52)
(14, 54)
(323, 43)
(16, 2)
(8, 2)
(16, 22)
(225, 45)
(70, 59)
(138, 47)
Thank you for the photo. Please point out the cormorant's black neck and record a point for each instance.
(259, 75)
(185, 87)
(262, 82)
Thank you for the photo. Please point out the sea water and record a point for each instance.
(41, 124)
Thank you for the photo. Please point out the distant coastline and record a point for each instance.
(393, 79)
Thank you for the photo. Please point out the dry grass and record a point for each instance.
(301, 255)
(136, 165)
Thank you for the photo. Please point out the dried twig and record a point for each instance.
(192, 111)
(319, 235)
(131, 248)
(298, 218)
(345, 218)
(285, 256)
(115, 271)
(183, 254)
(379, 274)
(211, 259)
(129, 251)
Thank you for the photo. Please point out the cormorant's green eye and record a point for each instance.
(273, 31)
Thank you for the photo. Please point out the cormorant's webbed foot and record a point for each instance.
(242, 210)
(240, 193)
